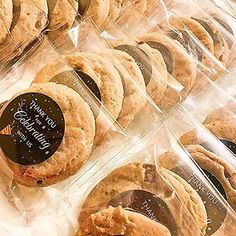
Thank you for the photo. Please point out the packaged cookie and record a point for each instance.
(180, 61)
(132, 198)
(201, 196)
(219, 26)
(216, 161)
(217, 112)
(161, 86)
(226, 23)
(119, 79)
(197, 42)
(49, 130)
(187, 33)
(28, 20)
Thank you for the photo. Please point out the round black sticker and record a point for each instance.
(149, 205)
(166, 54)
(216, 212)
(90, 83)
(69, 79)
(231, 146)
(141, 58)
(83, 6)
(32, 128)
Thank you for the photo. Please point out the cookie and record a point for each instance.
(141, 188)
(133, 83)
(99, 69)
(181, 30)
(188, 196)
(30, 18)
(98, 10)
(226, 112)
(61, 16)
(156, 87)
(225, 130)
(6, 17)
(178, 62)
(100, 77)
(118, 221)
(106, 77)
(62, 145)
(151, 65)
(190, 137)
(221, 49)
(220, 172)
(162, 90)
(219, 218)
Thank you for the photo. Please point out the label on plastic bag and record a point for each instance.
(147, 204)
(141, 58)
(216, 212)
(166, 54)
(69, 79)
(32, 128)
(215, 182)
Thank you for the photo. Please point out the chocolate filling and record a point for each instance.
(228, 28)
(141, 58)
(215, 37)
(166, 54)
(83, 6)
(32, 128)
